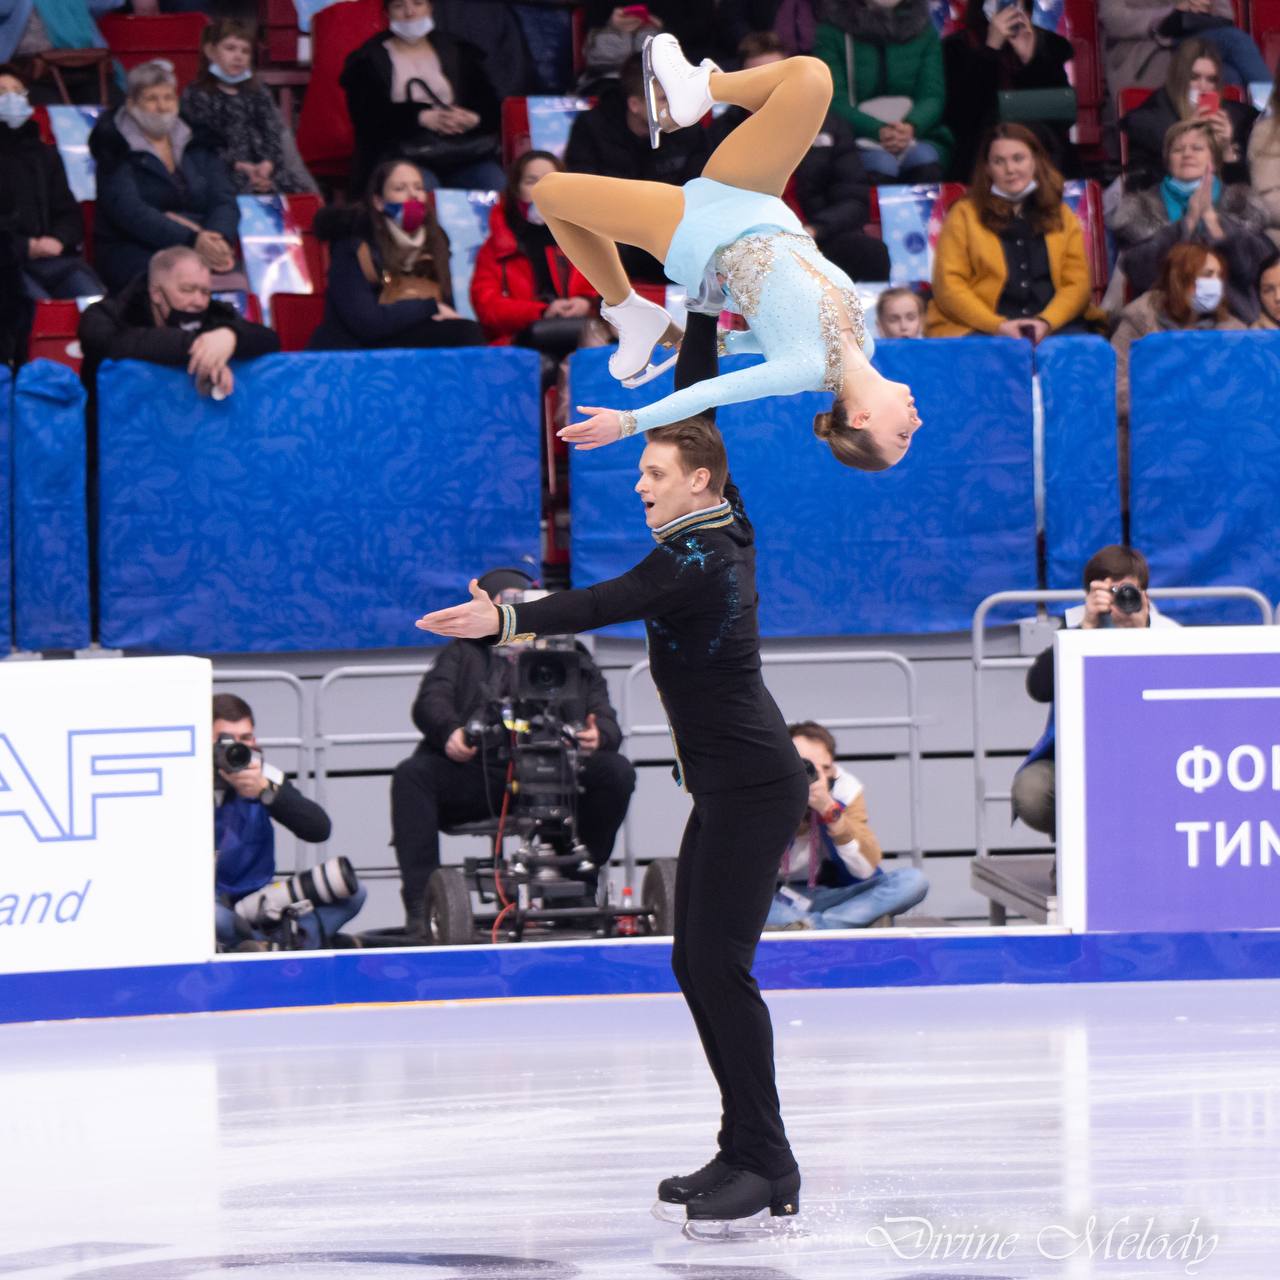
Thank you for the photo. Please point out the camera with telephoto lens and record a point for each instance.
(332, 881)
(810, 770)
(1127, 598)
(231, 756)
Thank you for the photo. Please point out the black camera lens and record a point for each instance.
(231, 756)
(810, 770)
(1127, 597)
(546, 675)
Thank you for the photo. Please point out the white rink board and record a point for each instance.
(106, 816)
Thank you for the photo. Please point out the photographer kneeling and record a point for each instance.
(248, 796)
(450, 780)
(1115, 580)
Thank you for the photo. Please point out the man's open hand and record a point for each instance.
(471, 621)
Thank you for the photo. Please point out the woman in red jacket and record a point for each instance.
(524, 290)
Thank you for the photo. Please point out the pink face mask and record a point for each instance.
(408, 215)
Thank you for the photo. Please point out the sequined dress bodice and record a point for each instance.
(795, 302)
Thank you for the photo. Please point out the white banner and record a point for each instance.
(106, 813)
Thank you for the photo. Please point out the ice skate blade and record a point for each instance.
(656, 112)
(648, 374)
(666, 1212)
(761, 1226)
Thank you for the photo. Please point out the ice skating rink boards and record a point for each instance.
(504, 1138)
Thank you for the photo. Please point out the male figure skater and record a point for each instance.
(696, 593)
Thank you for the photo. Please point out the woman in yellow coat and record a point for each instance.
(1010, 258)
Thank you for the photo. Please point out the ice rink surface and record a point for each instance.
(1075, 1131)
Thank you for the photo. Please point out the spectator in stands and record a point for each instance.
(238, 111)
(612, 139)
(524, 290)
(1010, 258)
(830, 190)
(832, 875)
(1264, 160)
(1004, 53)
(1269, 294)
(418, 94)
(1034, 785)
(169, 316)
(1191, 204)
(900, 314)
(245, 804)
(616, 32)
(31, 27)
(1190, 294)
(46, 216)
(160, 183)
(448, 781)
(389, 279)
(886, 63)
(1196, 71)
(1139, 37)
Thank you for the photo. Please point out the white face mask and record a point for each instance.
(15, 110)
(413, 28)
(155, 124)
(1207, 296)
(1022, 195)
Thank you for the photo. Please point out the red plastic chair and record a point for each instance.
(297, 316)
(1081, 22)
(175, 36)
(302, 210)
(515, 129)
(53, 334)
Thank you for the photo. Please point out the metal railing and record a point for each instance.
(982, 663)
(911, 722)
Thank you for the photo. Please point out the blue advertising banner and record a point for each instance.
(271, 241)
(464, 215)
(550, 120)
(1169, 769)
(71, 128)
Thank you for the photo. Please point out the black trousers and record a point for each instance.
(430, 791)
(728, 867)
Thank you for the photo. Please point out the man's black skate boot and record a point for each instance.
(743, 1195)
(675, 1193)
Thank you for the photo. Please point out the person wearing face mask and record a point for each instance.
(168, 316)
(1010, 259)
(420, 94)
(524, 290)
(999, 49)
(1191, 91)
(1189, 294)
(886, 66)
(46, 218)
(161, 183)
(389, 283)
(1191, 204)
(1269, 294)
(230, 102)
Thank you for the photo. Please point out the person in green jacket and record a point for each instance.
(886, 61)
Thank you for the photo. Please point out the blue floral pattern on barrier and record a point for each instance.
(6, 501)
(50, 524)
(1081, 478)
(326, 504)
(1205, 451)
(913, 549)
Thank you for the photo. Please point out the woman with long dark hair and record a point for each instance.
(1010, 258)
(389, 282)
(524, 290)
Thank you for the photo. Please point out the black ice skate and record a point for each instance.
(743, 1206)
(675, 1193)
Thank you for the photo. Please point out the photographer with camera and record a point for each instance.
(253, 914)
(459, 771)
(832, 875)
(1115, 582)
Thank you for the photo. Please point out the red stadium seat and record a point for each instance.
(53, 334)
(297, 316)
(515, 129)
(87, 210)
(41, 117)
(302, 210)
(578, 19)
(278, 24)
(1270, 42)
(175, 36)
(1081, 24)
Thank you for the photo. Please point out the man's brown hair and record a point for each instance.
(229, 707)
(699, 444)
(1117, 562)
(817, 732)
(757, 44)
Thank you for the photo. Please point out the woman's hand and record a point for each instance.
(214, 251)
(1200, 206)
(567, 309)
(1000, 28)
(1220, 126)
(603, 427)
(1022, 39)
(471, 621)
(445, 312)
(1014, 329)
(439, 120)
(464, 117)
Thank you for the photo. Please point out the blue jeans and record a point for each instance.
(478, 175)
(1241, 61)
(856, 905)
(885, 165)
(330, 917)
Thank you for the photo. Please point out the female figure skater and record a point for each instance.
(731, 225)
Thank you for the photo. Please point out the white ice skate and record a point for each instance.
(642, 326)
(676, 93)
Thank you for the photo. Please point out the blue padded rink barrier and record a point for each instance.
(1043, 1127)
